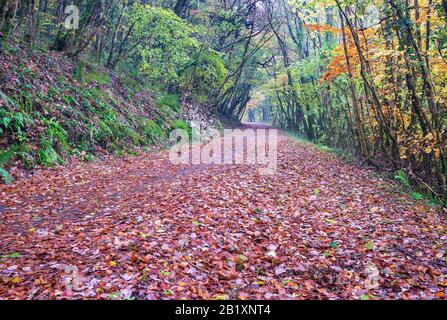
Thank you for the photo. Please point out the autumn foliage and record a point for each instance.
(387, 62)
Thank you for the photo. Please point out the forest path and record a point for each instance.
(144, 228)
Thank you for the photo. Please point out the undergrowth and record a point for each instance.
(80, 114)
(399, 176)
(318, 145)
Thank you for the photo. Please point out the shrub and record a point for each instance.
(182, 125)
(171, 101)
(402, 177)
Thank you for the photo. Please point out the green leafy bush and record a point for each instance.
(204, 75)
(168, 43)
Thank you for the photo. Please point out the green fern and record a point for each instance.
(171, 101)
(402, 177)
(6, 177)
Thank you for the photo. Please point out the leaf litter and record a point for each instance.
(142, 228)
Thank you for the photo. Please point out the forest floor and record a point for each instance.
(142, 228)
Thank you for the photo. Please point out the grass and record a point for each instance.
(97, 77)
(294, 135)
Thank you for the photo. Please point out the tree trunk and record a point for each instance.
(180, 8)
(8, 11)
(358, 125)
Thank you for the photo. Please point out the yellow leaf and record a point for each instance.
(16, 280)
(112, 263)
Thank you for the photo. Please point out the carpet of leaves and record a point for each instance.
(142, 228)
